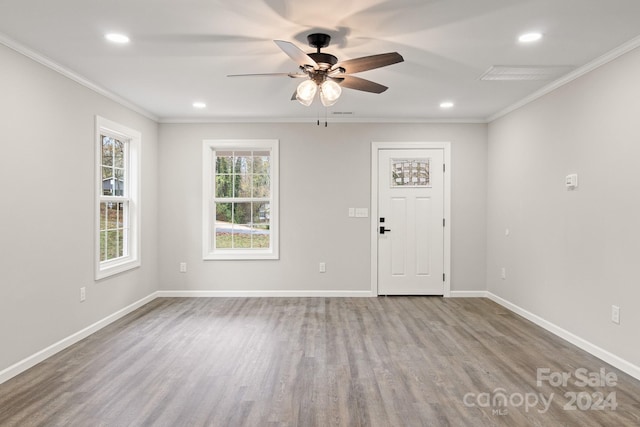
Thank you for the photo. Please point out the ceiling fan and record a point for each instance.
(325, 74)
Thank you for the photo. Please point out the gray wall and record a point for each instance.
(323, 172)
(571, 255)
(47, 130)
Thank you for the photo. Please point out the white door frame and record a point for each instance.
(375, 148)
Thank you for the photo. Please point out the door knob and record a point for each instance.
(382, 229)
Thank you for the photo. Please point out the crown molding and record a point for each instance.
(313, 120)
(49, 63)
(568, 78)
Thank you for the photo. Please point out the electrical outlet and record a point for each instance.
(183, 267)
(615, 314)
(503, 273)
(323, 267)
(83, 294)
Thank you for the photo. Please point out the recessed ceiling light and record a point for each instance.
(529, 37)
(199, 105)
(117, 38)
(446, 104)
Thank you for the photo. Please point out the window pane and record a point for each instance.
(224, 212)
(224, 185)
(107, 151)
(121, 215)
(224, 162)
(103, 218)
(243, 183)
(261, 237)
(224, 226)
(112, 244)
(107, 187)
(261, 225)
(107, 181)
(103, 246)
(243, 162)
(118, 182)
(261, 186)
(261, 213)
(224, 238)
(241, 213)
(121, 248)
(118, 153)
(112, 215)
(261, 163)
(107, 172)
(242, 236)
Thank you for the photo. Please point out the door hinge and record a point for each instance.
(443, 223)
(444, 167)
(444, 277)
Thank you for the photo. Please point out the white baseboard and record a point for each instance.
(468, 294)
(585, 345)
(262, 294)
(38, 357)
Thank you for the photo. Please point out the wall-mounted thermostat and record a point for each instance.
(571, 181)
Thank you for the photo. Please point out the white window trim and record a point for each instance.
(208, 157)
(134, 138)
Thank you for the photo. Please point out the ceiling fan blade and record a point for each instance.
(294, 52)
(292, 75)
(357, 83)
(294, 97)
(365, 63)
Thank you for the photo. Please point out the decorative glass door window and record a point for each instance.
(410, 173)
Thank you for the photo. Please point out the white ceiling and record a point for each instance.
(181, 51)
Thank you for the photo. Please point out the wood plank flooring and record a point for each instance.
(388, 361)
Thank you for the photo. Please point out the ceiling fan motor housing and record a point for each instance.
(324, 60)
(319, 40)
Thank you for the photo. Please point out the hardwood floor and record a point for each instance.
(388, 361)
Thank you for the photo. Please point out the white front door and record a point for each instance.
(410, 221)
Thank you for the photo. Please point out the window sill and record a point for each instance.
(241, 255)
(109, 269)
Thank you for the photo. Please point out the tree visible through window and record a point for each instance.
(117, 173)
(242, 199)
(241, 220)
(114, 208)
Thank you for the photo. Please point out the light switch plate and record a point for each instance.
(362, 212)
(571, 181)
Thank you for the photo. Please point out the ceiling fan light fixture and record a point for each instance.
(330, 91)
(306, 92)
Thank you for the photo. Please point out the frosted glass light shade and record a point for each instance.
(329, 92)
(306, 92)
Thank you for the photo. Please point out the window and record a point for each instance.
(117, 198)
(240, 219)
(410, 173)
